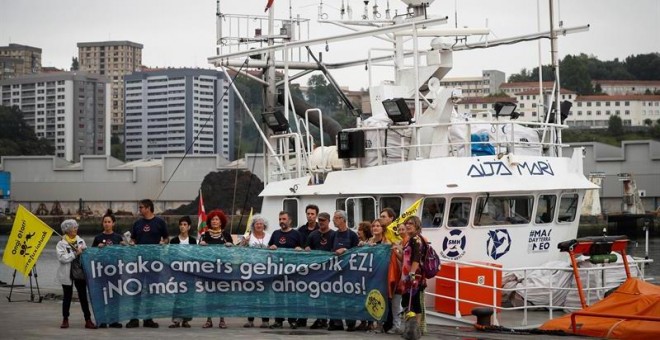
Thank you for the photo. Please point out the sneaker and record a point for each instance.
(248, 324)
(65, 323)
(134, 323)
(264, 325)
(276, 325)
(103, 325)
(175, 325)
(185, 324)
(335, 328)
(115, 325)
(90, 325)
(316, 325)
(293, 325)
(149, 324)
(395, 330)
(350, 329)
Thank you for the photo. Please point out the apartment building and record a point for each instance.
(18, 60)
(489, 83)
(170, 111)
(70, 109)
(113, 59)
(623, 87)
(595, 111)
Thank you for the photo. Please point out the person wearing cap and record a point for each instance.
(67, 250)
(321, 239)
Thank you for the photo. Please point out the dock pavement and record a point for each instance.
(25, 319)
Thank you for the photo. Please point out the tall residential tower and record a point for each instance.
(113, 59)
(170, 111)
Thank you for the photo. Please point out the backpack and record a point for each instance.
(430, 262)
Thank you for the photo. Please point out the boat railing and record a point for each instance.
(290, 159)
(400, 143)
(464, 139)
(460, 282)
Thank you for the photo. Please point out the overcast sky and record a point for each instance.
(181, 33)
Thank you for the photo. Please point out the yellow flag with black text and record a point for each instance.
(392, 233)
(248, 230)
(29, 236)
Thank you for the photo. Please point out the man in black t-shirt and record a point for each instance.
(321, 239)
(324, 237)
(150, 229)
(344, 239)
(311, 211)
(285, 237)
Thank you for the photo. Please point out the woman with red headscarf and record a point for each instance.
(217, 234)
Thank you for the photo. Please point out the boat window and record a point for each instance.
(393, 202)
(290, 205)
(433, 212)
(545, 211)
(340, 204)
(459, 211)
(360, 209)
(568, 207)
(503, 210)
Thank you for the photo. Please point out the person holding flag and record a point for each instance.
(392, 324)
(28, 238)
(69, 249)
(201, 217)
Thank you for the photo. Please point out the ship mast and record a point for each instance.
(555, 68)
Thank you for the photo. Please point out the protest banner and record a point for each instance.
(152, 281)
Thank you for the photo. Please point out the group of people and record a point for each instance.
(406, 282)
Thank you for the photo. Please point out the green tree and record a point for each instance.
(598, 89)
(648, 122)
(117, 148)
(74, 64)
(17, 138)
(615, 126)
(644, 66)
(321, 94)
(575, 76)
(523, 76)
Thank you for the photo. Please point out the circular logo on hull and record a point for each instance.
(498, 244)
(453, 246)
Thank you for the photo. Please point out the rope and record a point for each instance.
(200, 130)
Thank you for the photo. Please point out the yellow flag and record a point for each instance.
(392, 233)
(247, 227)
(29, 236)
